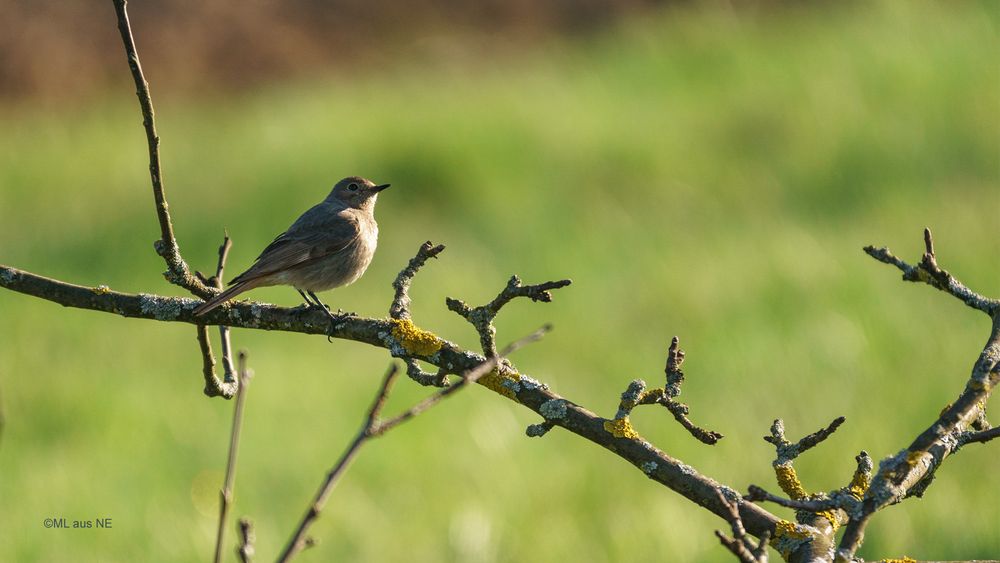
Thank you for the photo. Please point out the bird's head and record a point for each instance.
(356, 192)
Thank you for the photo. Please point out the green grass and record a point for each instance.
(695, 173)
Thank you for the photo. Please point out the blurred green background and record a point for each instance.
(696, 170)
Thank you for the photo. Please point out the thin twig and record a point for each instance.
(227, 354)
(226, 494)
(981, 437)
(228, 385)
(482, 317)
(374, 428)
(928, 271)
(245, 549)
(671, 389)
(297, 542)
(213, 386)
(400, 308)
(177, 270)
(740, 545)
(758, 494)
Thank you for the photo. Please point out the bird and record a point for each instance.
(328, 246)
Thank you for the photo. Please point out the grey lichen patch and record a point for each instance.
(554, 408)
(7, 276)
(649, 467)
(256, 311)
(730, 494)
(511, 384)
(686, 469)
(395, 349)
(161, 308)
(532, 384)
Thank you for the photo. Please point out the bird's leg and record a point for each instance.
(326, 309)
(305, 298)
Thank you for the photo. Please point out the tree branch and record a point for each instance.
(556, 410)
(928, 271)
(909, 472)
(482, 317)
(177, 270)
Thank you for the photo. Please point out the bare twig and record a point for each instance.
(373, 428)
(177, 270)
(758, 494)
(213, 387)
(245, 549)
(981, 437)
(482, 317)
(740, 545)
(219, 283)
(226, 494)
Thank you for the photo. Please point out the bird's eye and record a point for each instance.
(353, 187)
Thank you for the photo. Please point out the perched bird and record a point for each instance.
(328, 246)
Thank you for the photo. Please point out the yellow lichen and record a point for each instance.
(415, 340)
(621, 428)
(789, 481)
(905, 559)
(101, 290)
(859, 484)
(495, 382)
(786, 529)
(831, 517)
(913, 457)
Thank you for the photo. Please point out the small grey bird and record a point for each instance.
(328, 246)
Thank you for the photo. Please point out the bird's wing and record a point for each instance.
(298, 247)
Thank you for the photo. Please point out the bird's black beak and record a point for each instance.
(377, 189)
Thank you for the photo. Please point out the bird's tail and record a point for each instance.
(226, 295)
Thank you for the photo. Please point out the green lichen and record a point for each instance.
(415, 340)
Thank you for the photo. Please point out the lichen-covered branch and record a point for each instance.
(177, 270)
(928, 271)
(911, 470)
(404, 339)
(665, 396)
(400, 307)
(482, 317)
